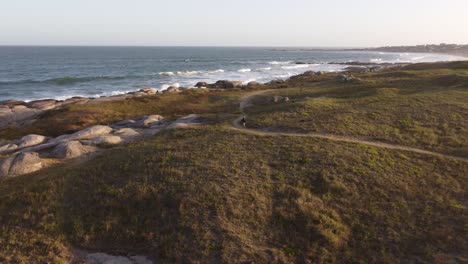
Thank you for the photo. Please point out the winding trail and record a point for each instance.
(245, 102)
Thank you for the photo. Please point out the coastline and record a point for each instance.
(21, 113)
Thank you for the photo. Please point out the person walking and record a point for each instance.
(244, 121)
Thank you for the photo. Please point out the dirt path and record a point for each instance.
(245, 102)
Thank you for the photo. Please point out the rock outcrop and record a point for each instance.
(70, 150)
(90, 132)
(43, 104)
(20, 163)
(224, 84)
(104, 140)
(31, 140)
(202, 85)
(186, 121)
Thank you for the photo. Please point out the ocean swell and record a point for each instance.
(67, 80)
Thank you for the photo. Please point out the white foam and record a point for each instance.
(249, 80)
(188, 73)
(166, 74)
(279, 62)
(244, 70)
(264, 69)
(216, 71)
(300, 66)
(167, 85)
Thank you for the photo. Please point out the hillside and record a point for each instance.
(274, 193)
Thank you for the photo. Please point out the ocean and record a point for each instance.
(31, 73)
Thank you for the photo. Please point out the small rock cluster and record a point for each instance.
(19, 113)
(27, 154)
(224, 84)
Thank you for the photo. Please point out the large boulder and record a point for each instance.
(186, 121)
(91, 132)
(21, 163)
(254, 84)
(76, 100)
(148, 90)
(16, 115)
(202, 84)
(8, 148)
(223, 84)
(151, 120)
(104, 140)
(70, 150)
(127, 133)
(43, 104)
(31, 140)
(173, 89)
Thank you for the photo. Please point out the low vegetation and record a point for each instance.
(409, 106)
(212, 194)
(77, 117)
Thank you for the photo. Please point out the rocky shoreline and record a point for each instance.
(20, 113)
(34, 152)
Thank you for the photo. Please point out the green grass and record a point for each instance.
(424, 108)
(211, 194)
(77, 117)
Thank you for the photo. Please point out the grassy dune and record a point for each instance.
(413, 106)
(212, 194)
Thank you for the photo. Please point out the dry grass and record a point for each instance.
(211, 194)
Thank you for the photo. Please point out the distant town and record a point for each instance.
(433, 48)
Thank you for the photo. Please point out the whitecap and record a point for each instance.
(216, 71)
(186, 73)
(166, 73)
(264, 69)
(295, 66)
(244, 70)
(279, 62)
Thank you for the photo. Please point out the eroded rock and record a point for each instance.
(185, 121)
(70, 150)
(90, 132)
(224, 84)
(20, 164)
(31, 140)
(104, 140)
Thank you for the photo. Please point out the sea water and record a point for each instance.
(31, 73)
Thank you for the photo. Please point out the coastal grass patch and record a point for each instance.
(212, 194)
(169, 105)
(426, 109)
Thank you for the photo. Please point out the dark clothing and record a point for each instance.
(244, 121)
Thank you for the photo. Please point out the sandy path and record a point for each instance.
(246, 102)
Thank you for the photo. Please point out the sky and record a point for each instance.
(306, 23)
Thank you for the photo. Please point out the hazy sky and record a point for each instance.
(341, 23)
